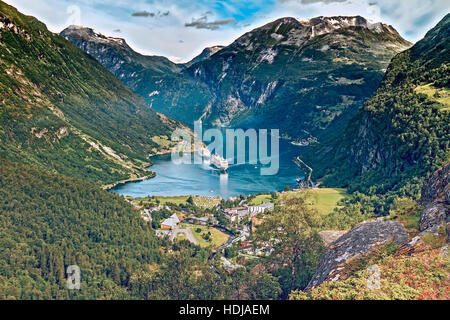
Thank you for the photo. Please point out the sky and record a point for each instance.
(181, 29)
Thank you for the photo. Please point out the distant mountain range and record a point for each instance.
(306, 77)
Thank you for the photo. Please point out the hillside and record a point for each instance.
(61, 110)
(404, 257)
(305, 77)
(140, 73)
(53, 222)
(401, 134)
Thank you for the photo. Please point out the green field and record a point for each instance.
(207, 202)
(323, 200)
(262, 198)
(441, 95)
(203, 202)
(218, 237)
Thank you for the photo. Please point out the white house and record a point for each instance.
(170, 223)
(254, 210)
(234, 214)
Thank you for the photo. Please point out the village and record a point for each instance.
(225, 227)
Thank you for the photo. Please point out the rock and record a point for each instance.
(329, 236)
(436, 202)
(437, 186)
(356, 243)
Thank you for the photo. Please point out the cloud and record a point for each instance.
(203, 23)
(143, 14)
(146, 14)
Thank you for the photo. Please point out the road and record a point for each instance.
(187, 232)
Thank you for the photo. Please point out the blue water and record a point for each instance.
(191, 179)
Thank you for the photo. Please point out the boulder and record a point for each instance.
(329, 236)
(356, 243)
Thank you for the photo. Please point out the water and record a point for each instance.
(202, 180)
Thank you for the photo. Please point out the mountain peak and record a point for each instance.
(298, 32)
(323, 24)
(91, 35)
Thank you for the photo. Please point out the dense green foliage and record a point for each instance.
(49, 222)
(399, 136)
(61, 110)
(297, 248)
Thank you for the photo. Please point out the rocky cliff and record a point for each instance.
(63, 111)
(357, 243)
(139, 72)
(436, 202)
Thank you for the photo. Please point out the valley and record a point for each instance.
(87, 177)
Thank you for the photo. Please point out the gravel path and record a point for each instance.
(187, 232)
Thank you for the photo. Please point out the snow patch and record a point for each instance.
(268, 55)
(277, 36)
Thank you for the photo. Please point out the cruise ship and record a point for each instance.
(219, 162)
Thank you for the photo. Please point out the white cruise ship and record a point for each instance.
(219, 162)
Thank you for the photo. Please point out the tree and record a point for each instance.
(292, 232)
(231, 252)
(264, 287)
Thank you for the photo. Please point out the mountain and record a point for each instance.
(140, 73)
(303, 77)
(62, 110)
(206, 53)
(402, 133)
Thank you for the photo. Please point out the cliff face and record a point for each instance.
(357, 243)
(402, 130)
(436, 202)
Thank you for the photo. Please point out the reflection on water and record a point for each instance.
(201, 179)
(224, 184)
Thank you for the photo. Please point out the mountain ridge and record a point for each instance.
(401, 133)
(279, 64)
(64, 111)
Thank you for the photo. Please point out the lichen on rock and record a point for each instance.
(356, 243)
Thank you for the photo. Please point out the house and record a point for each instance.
(234, 214)
(163, 233)
(170, 223)
(146, 215)
(254, 210)
(158, 208)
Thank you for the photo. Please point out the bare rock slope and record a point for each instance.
(436, 201)
(357, 243)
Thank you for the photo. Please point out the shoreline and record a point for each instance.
(109, 187)
(147, 166)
